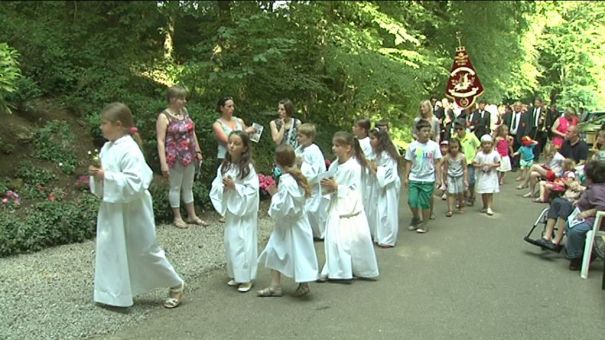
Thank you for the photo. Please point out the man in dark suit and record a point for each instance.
(516, 122)
(536, 119)
(480, 120)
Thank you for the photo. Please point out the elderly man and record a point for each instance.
(574, 147)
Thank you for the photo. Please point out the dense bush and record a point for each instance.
(55, 142)
(47, 224)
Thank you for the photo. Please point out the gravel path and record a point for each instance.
(48, 295)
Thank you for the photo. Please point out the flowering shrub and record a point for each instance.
(11, 197)
(264, 182)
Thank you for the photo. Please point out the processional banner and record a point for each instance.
(463, 86)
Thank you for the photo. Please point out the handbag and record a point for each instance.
(574, 218)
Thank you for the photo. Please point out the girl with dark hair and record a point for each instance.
(284, 128)
(348, 245)
(456, 170)
(591, 201)
(290, 249)
(387, 188)
(128, 260)
(234, 195)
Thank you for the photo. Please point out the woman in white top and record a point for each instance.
(226, 124)
(426, 113)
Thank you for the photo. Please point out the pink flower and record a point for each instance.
(4, 200)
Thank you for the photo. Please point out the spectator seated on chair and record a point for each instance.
(559, 184)
(591, 201)
(560, 209)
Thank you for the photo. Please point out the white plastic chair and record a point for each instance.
(590, 236)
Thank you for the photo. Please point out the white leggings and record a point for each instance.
(181, 183)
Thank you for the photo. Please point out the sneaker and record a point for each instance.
(414, 223)
(483, 210)
(422, 228)
(489, 211)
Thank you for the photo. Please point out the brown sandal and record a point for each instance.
(302, 290)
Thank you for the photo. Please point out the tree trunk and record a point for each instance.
(169, 38)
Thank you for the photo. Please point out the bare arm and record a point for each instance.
(219, 133)
(160, 127)
(406, 172)
(277, 135)
(438, 173)
(198, 149)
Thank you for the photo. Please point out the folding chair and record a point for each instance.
(590, 239)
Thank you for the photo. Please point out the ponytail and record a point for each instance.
(300, 179)
(361, 158)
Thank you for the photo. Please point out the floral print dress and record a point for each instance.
(180, 141)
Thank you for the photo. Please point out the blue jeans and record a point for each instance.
(576, 239)
(471, 176)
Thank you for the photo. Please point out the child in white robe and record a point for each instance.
(128, 260)
(234, 195)
(361, 131)
(348, 245)
(312, 163)
(387, 188)
(290, 249)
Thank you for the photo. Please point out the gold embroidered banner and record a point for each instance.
(463, 86)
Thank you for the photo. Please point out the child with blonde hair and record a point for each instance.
(312, 163)
(486, 163)
(128, 259)
(504, 146)
(455, 168)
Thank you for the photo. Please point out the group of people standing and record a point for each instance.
(351, 205)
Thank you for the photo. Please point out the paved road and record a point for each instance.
(470, 277)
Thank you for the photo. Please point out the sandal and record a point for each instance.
(270, 292)
(197, 221)
(528, 195)
(244, 287)
(521, 187)
(449, 214)
(232, 283)
(302, 290)
(180, 224)
(175, 297)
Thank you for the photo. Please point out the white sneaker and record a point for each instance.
(489, 211)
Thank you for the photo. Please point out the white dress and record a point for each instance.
(388, 186)
(348, 245)
(290, 249)
(487, 181)
(239, 206)
(128, 260)
(313, 164)
(368, 192)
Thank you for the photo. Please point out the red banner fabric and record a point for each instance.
(463, 86)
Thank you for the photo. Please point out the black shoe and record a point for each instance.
(574, 264)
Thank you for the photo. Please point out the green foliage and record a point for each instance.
(48, 224)
(55, 142)
(34, 175)
(9, 74)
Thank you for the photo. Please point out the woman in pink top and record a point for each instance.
(179, 152)
(561, 125)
